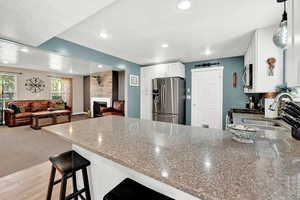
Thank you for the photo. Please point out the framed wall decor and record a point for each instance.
(134, 80)
(35, 85)
(234, 79)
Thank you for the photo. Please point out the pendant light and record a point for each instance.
(280, 37)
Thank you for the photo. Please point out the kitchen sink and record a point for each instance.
(263, 124)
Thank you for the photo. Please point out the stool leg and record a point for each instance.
(86, 184)
(51, 181)
(74, 185)
(63, 187)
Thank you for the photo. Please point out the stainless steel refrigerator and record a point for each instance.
(169, 100)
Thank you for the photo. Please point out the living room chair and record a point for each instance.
(117, 109)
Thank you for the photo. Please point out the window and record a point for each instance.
(61, 89)
(56, 89)
(7, 91)
(8, 87)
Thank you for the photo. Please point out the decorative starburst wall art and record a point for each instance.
(35, 85)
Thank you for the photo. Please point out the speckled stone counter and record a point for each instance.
(206, 163)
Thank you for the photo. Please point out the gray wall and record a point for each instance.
(71, 49)
(233, 97)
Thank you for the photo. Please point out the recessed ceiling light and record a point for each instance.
(100, 66)
(165, 45)
(5, 61)
(184, 4)
(24, 49)
(207, 52)
(103, 35)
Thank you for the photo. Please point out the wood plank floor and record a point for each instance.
(29, 184)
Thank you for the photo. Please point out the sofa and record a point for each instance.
(117, 109)
(27, 107)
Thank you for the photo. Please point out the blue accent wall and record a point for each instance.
(71, 49)
(233, 97)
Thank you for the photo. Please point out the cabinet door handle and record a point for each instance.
(164, 95)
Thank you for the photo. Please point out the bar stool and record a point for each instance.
(129, 189)
(67, 164)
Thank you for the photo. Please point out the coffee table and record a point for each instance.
(46, 118)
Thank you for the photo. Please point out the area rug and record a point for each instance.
(22, 147)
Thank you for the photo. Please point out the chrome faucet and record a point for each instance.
(280, 97)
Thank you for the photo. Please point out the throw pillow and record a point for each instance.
(22, 109)
(58, 106)
(15, 108)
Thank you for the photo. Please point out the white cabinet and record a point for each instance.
(146, 92)
(168, 70)
(176, 69)
(293, 52)
(262, 48)
(160, 71)
(156, 71)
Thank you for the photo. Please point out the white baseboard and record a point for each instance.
(79, 113)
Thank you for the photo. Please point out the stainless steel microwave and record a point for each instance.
(248, 76)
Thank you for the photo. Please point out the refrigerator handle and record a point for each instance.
(161, 95)
(164, 95)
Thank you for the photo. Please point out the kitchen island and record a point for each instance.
(185, 162)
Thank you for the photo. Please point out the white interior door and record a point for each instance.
(207, 97)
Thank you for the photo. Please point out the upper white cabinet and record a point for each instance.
(151, 72)
(262, 48)
(168, 70)
(176, 70)
(293, 52)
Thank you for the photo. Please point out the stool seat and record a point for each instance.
(130, 190)
(69, 162)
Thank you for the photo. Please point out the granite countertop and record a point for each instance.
(206, 163)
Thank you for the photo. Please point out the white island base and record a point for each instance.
(105, 174)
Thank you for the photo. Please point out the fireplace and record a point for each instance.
(97, 108)
(100, 100)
